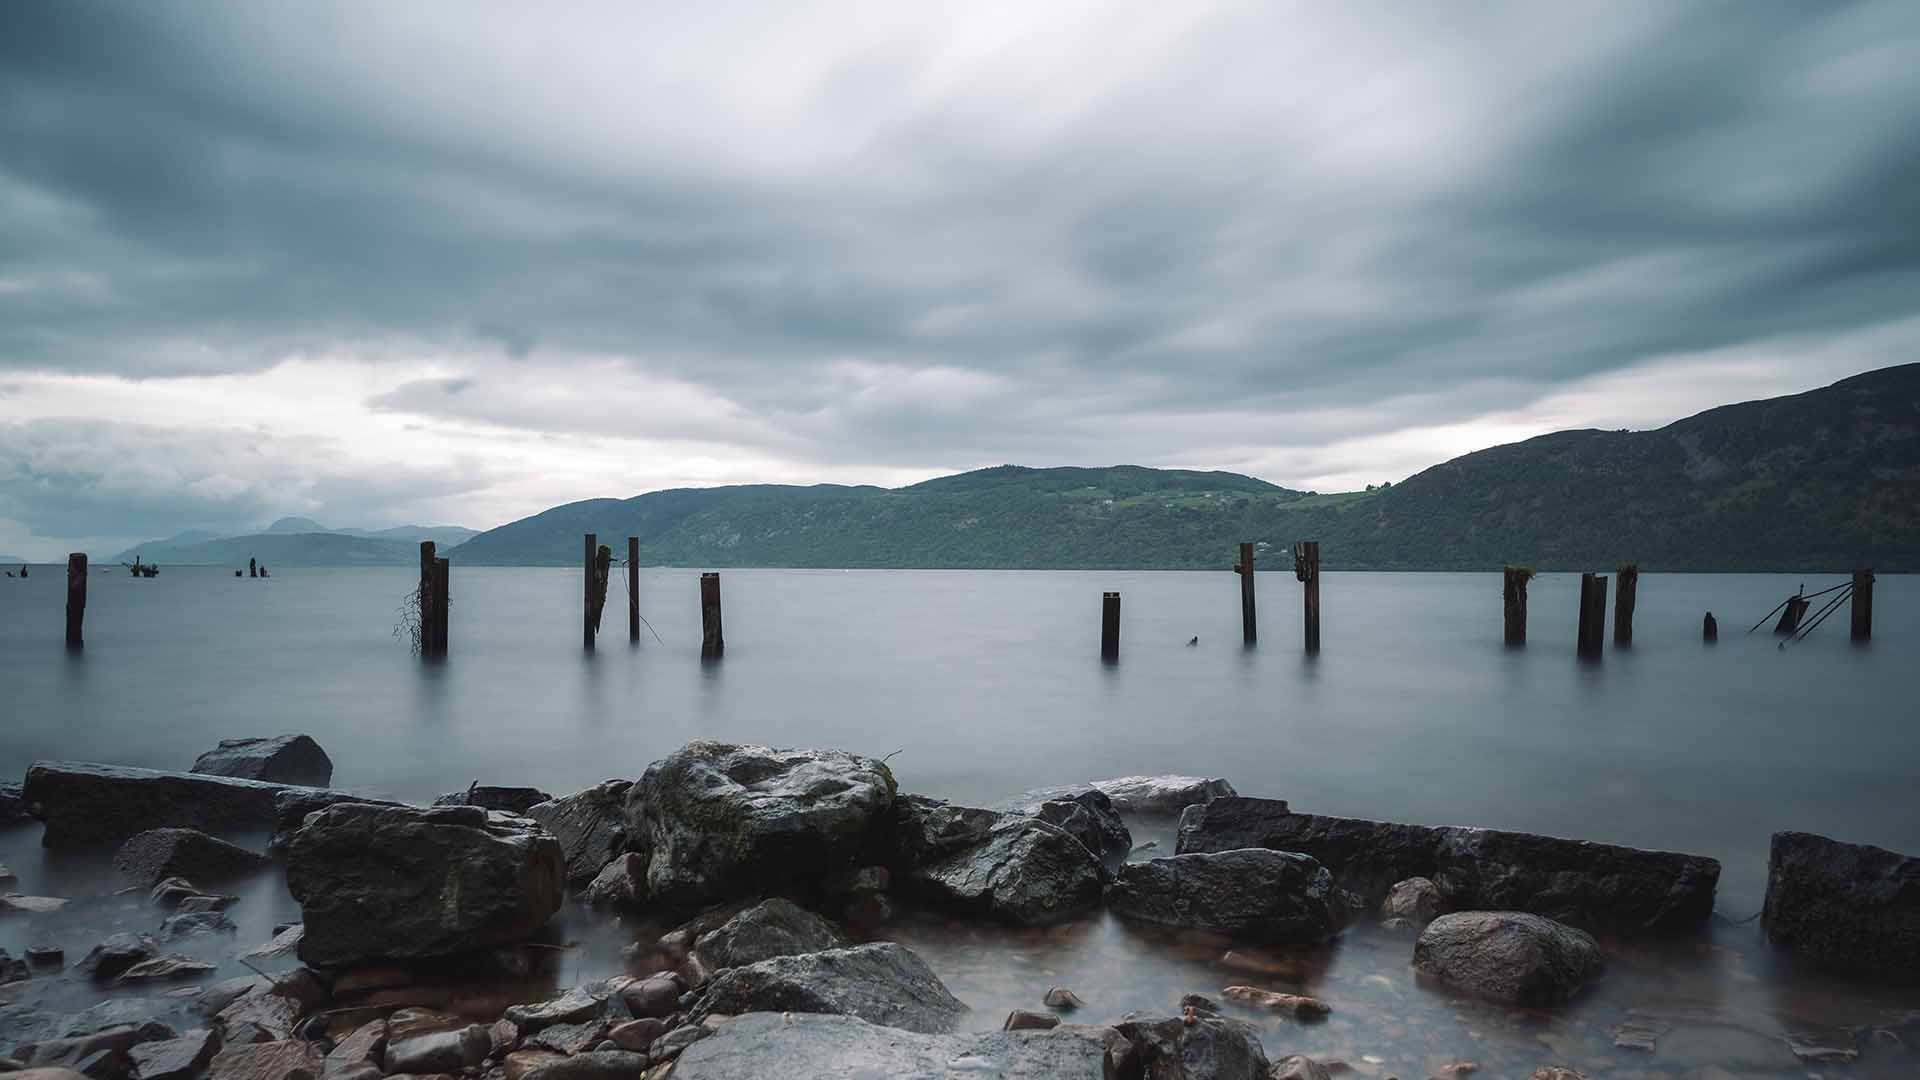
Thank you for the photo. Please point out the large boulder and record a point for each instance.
(591, 826)
(1010, 867)
(717, 820)
(775, 927)
(94, 806)
(510, 800)
(883, 983)
(282, 759)
(1508, 956)
(148, 858)
(803, 1047)
(1087, 815)
(1253, 894)
(1209, 1048)
(1845, 904)
(292, 805)
(1599, 886)
(380, 882)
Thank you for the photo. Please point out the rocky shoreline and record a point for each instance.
(781, 875)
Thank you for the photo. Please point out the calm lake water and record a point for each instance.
(988, 683)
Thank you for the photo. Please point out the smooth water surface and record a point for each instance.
(982, 684)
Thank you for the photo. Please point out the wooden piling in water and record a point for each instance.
(1709, 629)
(1623, 601)
(1791, 613)
(1593, 614)
(1249, 631)
(1110, 626)
(76, 599)
(432, 602)
(441, 592)
(633, 588)
(590, 545)
(1514, 602)
(1862, 606)
(713, 641)
(1306, 567)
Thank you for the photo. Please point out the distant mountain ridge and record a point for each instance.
(1828, 479)
(297, 541)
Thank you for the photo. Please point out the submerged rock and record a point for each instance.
(99, 806)
(766, 1045)
(376, 882)
(281, 759)
(1252, 894)
(150, 857)
(882, 983)
(1508, 956)
(1601, 886)
(507, 800)
(1208, 1048)
(1009, 867)
(718, 820)
(775, 927)
(591, 826)
(1846, 904)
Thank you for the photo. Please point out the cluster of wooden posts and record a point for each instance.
(1306, 568)
(597, 565)
(1593, 610)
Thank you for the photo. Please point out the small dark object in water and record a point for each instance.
(1709, 629)
(236, 573)
(1192, 641)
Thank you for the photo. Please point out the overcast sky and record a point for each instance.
(382, 263)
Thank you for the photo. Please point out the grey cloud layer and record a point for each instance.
(1262, 210)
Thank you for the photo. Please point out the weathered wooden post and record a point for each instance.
(713, 642)
(441, 594)
(1110, 626)
(1593, 614)
(1791, 613)
(429, 582)
(1306, 567)
(432, 602)
(253, 568)
(1862, 605)
(587, 622)
(633, 588)
(1514, 595)
(1623, 601)
(1709, 629)
(76, 599)
(1249, 632)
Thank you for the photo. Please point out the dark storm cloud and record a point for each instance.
(873, 253)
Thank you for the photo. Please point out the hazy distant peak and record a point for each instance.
(295, 525)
